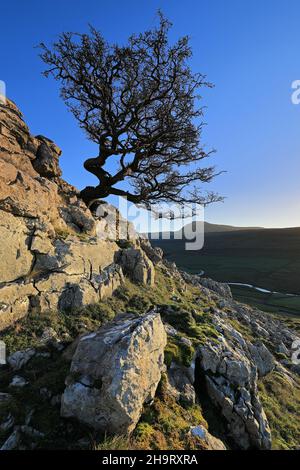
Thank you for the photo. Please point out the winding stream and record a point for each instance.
(258, 289)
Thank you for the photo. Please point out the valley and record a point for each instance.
(266, 258)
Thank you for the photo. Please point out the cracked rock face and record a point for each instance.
(114, 372)
(232, 364)
(54, 253)
(212, 442)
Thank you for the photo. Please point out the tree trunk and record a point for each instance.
(90, 193)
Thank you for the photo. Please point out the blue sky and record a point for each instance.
(247, 48)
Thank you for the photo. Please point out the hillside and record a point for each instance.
(199, 226)
(108, 345)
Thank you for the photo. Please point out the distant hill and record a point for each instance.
(208, 228)
(219, 228)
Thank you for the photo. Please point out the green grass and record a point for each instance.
(268, 259)
(274, 303)
(164, 423)
(114, 443)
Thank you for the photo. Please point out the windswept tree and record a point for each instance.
(138, 103)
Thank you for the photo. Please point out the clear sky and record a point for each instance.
(248, 48)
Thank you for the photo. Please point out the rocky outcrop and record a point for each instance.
(54, 253)
(220, 288)
(211, 442)
(136, 265)
(181, 378)
(181, 383)
(114, 372)
(19, 359)
(231, 380)
(230, 366)
(111, 225)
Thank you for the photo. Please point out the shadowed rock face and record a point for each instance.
(54, 253)
(114, 372)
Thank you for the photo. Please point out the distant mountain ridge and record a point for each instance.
(208, 228)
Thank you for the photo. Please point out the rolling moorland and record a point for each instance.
(265, 258)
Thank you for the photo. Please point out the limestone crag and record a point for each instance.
(187, 350)
(232, 364)
(55, 254)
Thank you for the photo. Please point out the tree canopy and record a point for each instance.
(138, 103)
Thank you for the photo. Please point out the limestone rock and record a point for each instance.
(221, 289)
(18, 381)
(49, 336)
(75, 257)
(111, 225)
(114, 372)
(155, 254)
(4, 397)
(231, 380)
(67, 291)
(109, 280)
(181, 380)
(16, 258)
(7, 424)
(19, 359)
(12, 441)
(263, 359)
(41, 244)
(218, 287)
(55, 253)
(282, 349)
(46, 159)
(78, 217)
(14, 302)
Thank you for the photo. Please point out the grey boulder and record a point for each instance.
(114, 372)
